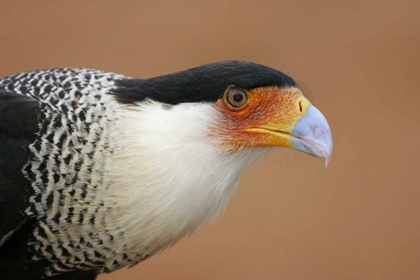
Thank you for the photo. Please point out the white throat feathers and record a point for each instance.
(167, 177)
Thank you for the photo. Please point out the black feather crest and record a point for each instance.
(205, 83)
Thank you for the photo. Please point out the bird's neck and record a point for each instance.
(167, 176)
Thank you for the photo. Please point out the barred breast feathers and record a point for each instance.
(67, 162)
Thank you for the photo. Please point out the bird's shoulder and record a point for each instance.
(20, 118)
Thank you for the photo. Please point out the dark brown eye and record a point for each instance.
(235, 97)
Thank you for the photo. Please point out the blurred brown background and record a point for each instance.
(291, 217)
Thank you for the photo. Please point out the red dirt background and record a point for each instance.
(291, 217)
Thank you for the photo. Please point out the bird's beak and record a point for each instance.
(301, 127)
(312, 135)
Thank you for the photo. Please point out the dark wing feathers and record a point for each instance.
(18, 127)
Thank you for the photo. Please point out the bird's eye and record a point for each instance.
(235, 98)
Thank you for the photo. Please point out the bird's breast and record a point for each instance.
(145, 177)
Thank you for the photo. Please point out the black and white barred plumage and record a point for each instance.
(66, 167)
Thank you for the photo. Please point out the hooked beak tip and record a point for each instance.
(312, 135)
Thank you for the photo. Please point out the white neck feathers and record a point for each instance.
(167, 176)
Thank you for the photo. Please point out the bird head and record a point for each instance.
(184, 139)
(254, 105)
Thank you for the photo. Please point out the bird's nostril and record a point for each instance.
(300, 106)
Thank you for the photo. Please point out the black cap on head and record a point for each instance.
(205, 83)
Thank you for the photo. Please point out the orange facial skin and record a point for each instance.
(266, 119)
